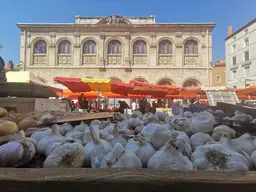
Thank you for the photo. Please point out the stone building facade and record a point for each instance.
(240, 49)
(219, 73)
(122, 48)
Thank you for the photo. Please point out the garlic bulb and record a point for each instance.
(181, 146)
(202, 122)
(117, 138)
(97, 147)
(188, 114)
(80, 127)
(134, 122)
(161, 115)
(170, 158)
(68, 155)
(180, 135)
(18, 152)
(11, 154)
(199, 139)
(156, 134)
(75, 134)
(149, 118)
(118, 116)
(106, 136)
(109, 128)
(137, 114)
(53, 146)
(222, 129)
(64, 128)
(242, 117)
(120, 158)
(87, 138)
(179, 123)
(227, 142)
(245, 143)
(54, 137)
(141, 148)
(41, 133)
(253, 159)
(217, 157)
(97, 122)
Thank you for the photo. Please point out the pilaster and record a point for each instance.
(152, 50)
(77, 50)
(179, 50)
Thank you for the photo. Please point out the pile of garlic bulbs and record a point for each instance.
(183, 142)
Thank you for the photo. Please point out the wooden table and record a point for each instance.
(125, 180)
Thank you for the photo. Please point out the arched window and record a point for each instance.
(89, 47)
(64, 47)
(191, 83)
(140, 47)
(40, 47)
(165, 47)
(114, 47)
(191, 47)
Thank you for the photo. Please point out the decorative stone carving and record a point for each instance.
(178, 45)
(28, 45)
(52, 34)
(203, 45)
(153, 45)
(165, 60)
(140, 59)
(64, 59)
(127, 61)
(89, 59)
(76, 34)
(28, 34)
(178, 34)
(77, 45)
(191, 60)
(102, 36)
(114, 59)
(39, 60)
(114, 20)
(52, 45)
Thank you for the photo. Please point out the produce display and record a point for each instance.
(184, 142)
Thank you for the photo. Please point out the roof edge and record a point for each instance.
(241, 28)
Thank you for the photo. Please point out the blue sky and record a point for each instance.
(224, 12)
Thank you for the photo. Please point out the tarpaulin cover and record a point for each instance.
(88, 85)
(142, 88)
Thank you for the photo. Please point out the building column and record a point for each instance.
(179, 56)
(102, 50)
(77, 50)
(152, 50)
(127, 54)
(52, 50)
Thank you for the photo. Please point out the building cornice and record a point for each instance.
(24, 26)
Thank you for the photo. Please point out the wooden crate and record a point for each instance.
(230, 109)
(124, 180)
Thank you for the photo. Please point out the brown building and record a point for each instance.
(219, 73)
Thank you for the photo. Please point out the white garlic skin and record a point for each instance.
(69, 155)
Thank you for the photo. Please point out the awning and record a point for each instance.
(100, 85)
(142, 88)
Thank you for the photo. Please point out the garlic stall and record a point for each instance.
(186, 142)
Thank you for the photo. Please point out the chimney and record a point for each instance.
(10, 65)
(230, 30)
